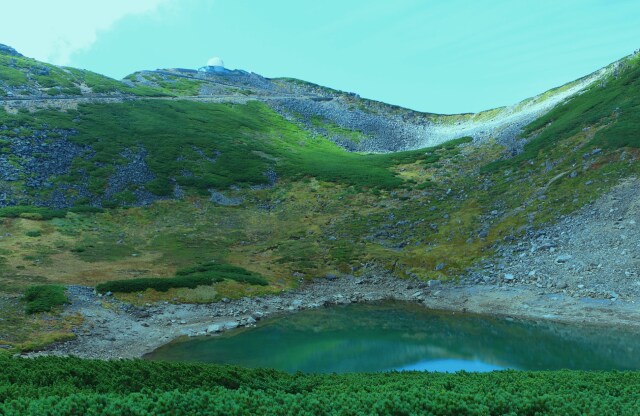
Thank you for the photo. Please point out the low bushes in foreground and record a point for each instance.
(192, 277)
(62, 386)
(44, 298)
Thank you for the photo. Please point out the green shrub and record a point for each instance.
(33, 233)
(203, 146)
(224, 271)
(33, 213)
(160, 284)
(42, 213)
(192, 277)
(44, 298)
(84, 209)
(71, 386)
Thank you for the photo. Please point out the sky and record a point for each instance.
(440, 56)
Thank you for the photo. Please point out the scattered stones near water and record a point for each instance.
(231, 325)
(113, 328)
(223, 326)
(215, 328)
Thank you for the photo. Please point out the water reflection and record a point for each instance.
(403, 336)
(450, 366)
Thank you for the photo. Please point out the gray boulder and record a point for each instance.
(212, 329)
(231, 325)
(563, 258)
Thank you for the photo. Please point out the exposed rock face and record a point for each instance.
(135, 173)
(8, 50)
(36, 160)
(221, 199)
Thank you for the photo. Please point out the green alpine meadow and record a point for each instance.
(208, 240)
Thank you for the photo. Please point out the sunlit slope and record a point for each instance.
(22, 77)
(359, 124)
(146, 187)
(133, 153)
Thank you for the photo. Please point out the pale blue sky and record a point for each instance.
(439, 56)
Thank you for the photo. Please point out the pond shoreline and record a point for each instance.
(113, 329)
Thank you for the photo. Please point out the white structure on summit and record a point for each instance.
(214, 64)
(215, 61)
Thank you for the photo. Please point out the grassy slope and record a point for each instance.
(244, 140)
(331, 211)
(29, 77)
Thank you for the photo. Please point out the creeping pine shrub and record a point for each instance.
(43, 298)
(160, 284)
(72, 386)
(191, 277)
(41, 213)
(224, 271)
(32, 213)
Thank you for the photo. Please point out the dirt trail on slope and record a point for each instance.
(12, 105)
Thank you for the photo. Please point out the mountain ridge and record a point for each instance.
(138, 183)
(305, 103)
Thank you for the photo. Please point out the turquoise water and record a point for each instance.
(402, 336)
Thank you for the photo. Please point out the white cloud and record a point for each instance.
(52, 30)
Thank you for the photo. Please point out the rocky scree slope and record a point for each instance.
(591, 254)
(363, 125)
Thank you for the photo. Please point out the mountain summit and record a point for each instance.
(202, 185)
